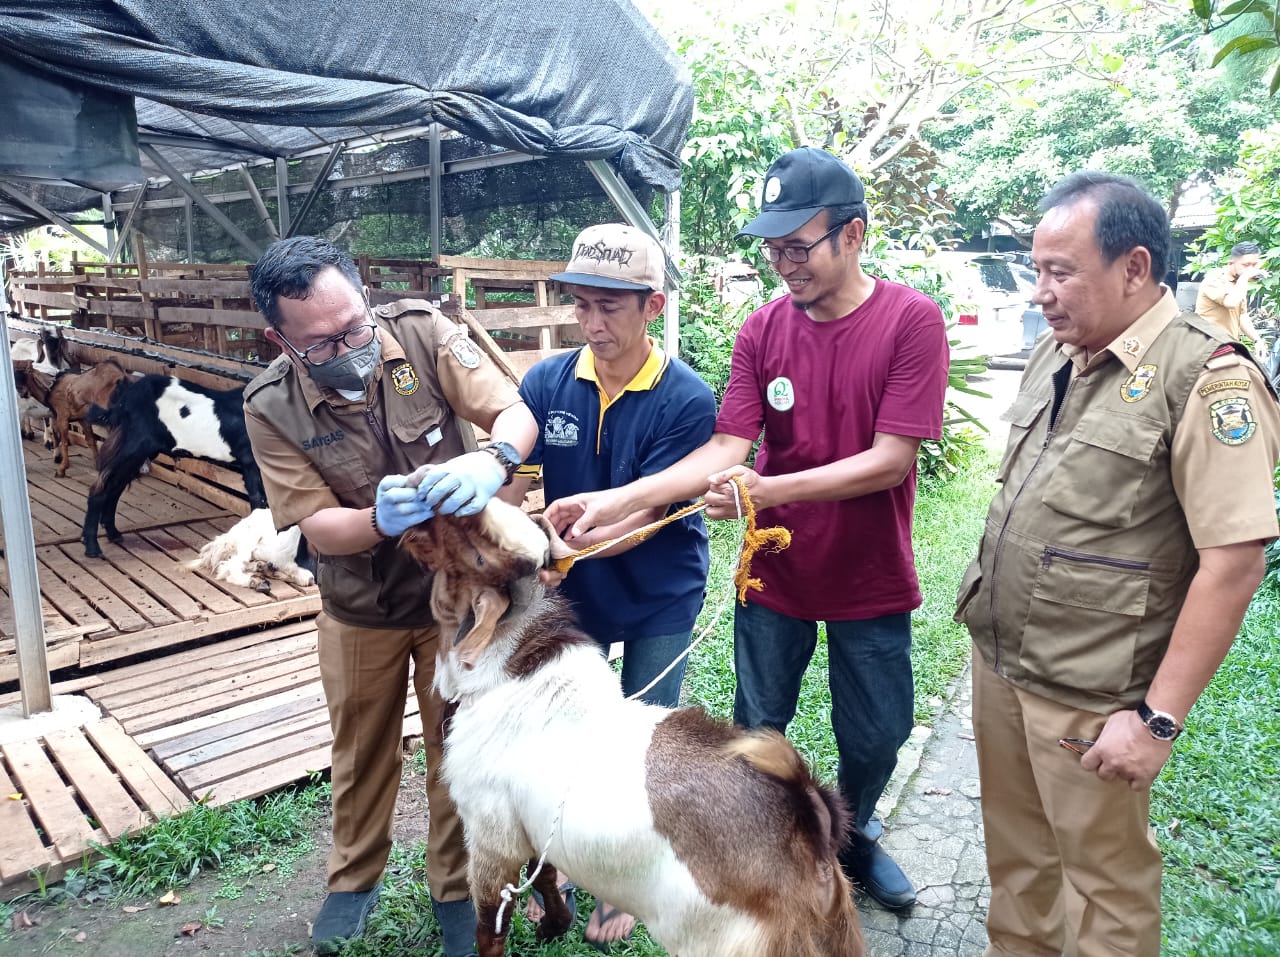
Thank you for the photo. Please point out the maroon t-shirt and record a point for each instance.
(820, 391)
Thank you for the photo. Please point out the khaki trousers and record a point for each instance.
(1074, 866)
(364, 672)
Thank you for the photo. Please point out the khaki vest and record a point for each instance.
(1086, 556)
(353, 447)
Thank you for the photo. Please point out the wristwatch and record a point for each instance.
(507, 457)
(1162, 725)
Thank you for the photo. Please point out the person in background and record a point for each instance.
(1113, 573)
(1223, 297)
(604, 415)
(845, 375)
(357, 398)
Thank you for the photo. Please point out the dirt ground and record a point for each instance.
(270, 918)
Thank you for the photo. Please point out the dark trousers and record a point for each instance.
(872, 693)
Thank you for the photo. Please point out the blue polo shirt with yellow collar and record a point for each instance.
(588, 443)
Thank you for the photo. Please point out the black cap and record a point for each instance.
(799, 186)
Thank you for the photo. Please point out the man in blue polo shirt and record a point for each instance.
(607, 414)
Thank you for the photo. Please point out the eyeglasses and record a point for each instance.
(1078, 745)
(326, 349)
(797, 254)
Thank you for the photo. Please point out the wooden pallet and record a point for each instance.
(140, 596)
(68, 790)
(235, 719)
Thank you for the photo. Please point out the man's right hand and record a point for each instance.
(575, 515)
(399, 506)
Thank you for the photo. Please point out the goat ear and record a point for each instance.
(558, 549)
(488, 605)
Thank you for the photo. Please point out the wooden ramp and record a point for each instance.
(68, 790)
(139, 596)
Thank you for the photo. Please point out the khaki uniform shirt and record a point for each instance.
(1209, 302)
(318, 450)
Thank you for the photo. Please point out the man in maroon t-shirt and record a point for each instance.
(845, 376)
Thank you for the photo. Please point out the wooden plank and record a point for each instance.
(153, 581)
(122, 646)
(175, 707)
(114, 308)
(202, 777)
(194, 590)
(64, 824)
(180, 286)
(145, 779)
(188, 749)
(118, 612)
(21, 849)
(192, 727)
(125, 589)
(216, 496)
(261, 780)
(235, 318)
(69, 602)
(526, 317)
(111, 805)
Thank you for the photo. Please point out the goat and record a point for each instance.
(46, 357)
(71, 396)
(252, 551)
(719, 839)
(159, 413)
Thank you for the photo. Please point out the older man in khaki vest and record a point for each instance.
(1113, 575)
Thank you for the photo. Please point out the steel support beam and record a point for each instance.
(282, 196)
(671, 233)
(28, 202)
(108, 219)
(263, 216)
(207, 143)
(123, 235)
(212, 211)
(620, 194)
(189, 224)
(20, 546)
(437, 173)
(318, 185)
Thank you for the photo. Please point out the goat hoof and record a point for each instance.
(263, 586)
(114, 537)
(92, 551)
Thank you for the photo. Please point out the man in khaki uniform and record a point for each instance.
(1113, 574)
(358, 398)
(1223, 297)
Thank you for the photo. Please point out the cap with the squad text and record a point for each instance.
(615, 256)
(798, 186)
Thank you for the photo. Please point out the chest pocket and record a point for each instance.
(1101, 472)
(1021, 416)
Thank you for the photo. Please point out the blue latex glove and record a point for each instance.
(463, 485)
(398, 506)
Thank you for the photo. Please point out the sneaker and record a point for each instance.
(341, 918)
(866, 863)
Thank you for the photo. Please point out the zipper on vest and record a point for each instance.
(995, 560)
(1052, 551)
(379, 432)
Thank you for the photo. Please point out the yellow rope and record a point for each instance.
(774, 539)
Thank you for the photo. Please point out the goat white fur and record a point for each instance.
(252, 551)
(537, 696)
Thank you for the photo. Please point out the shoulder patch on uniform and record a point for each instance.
(1227, 349)
(1232, 420)
(405, 379)
(1139, 384)
(464, 351)
(1209, 388)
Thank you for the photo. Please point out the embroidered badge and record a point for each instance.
(1139, 384)
(772, 189)
(465, 352)
(780, 394)
(1212, 387)
(560, 430)
(1232, 420)
(404, 379)
(1131, 346)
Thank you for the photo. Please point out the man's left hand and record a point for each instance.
(461, 486)
(1126, 750)
(724, 500)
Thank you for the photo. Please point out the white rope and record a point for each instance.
(707, 629)
(511, 891)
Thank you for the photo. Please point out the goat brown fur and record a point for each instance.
(70, 397)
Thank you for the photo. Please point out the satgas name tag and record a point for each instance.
(434, 436)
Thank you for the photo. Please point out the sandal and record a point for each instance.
(603, 914)
(568, 890)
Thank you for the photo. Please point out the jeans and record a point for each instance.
(644, 658)
(872, 692)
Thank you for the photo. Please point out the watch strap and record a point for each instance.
(507, 457)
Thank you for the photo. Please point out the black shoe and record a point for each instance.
(342, 918)
(457, 921)
(866, 863)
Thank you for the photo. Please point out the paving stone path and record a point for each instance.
(935, 833)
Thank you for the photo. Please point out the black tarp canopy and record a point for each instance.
(239, 80)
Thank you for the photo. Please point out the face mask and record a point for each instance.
(351, 371)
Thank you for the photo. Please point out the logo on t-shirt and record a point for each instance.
(561, 430)
(781, 394)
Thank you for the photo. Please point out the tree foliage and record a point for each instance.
(1245, 35)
